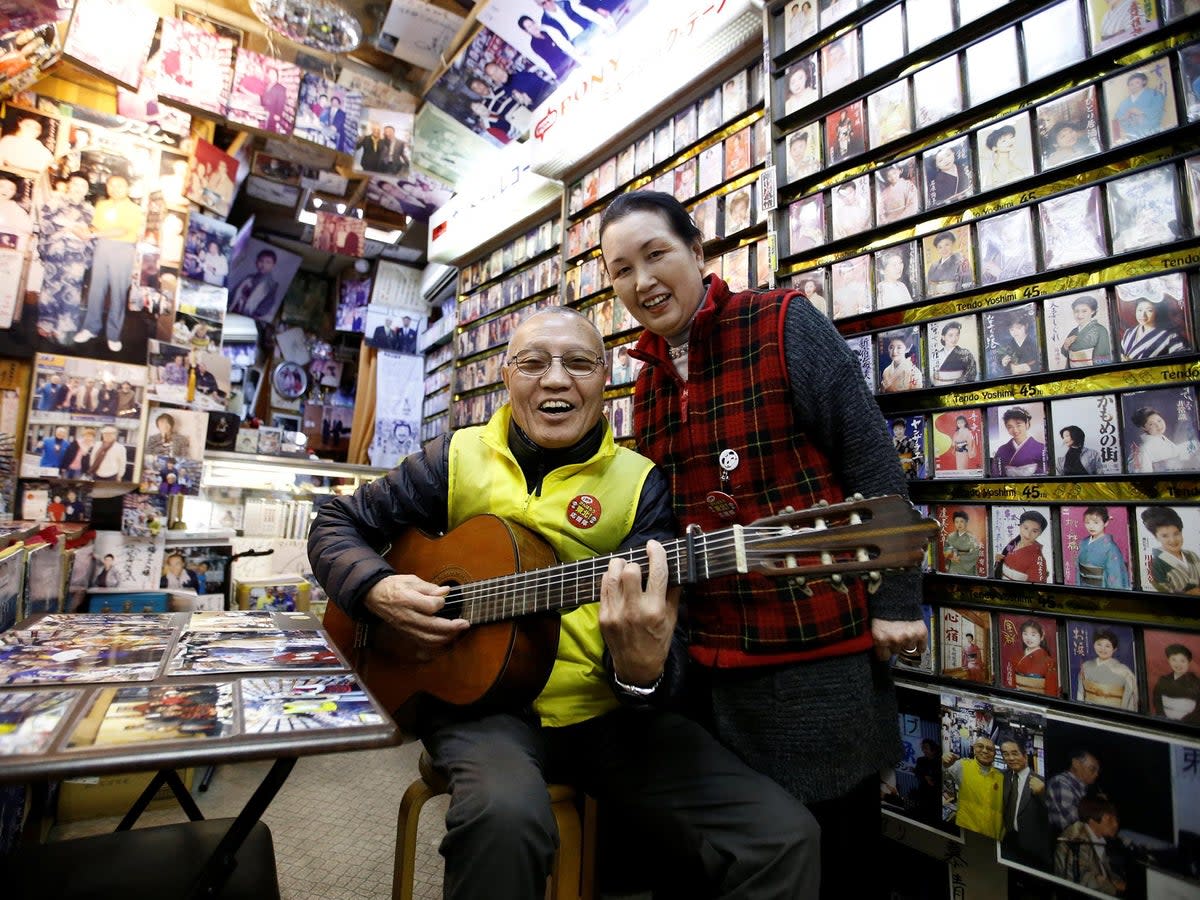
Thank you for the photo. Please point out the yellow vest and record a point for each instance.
(980, 800)
(583, 510)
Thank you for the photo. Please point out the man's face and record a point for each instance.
(389, 132)
(264, 264)
(77, 189)
(30, 128)
(985, 752)
(1108, 826)
(496, 72)
(1179, 663)
(108, 561)
(555, 409)
(108, 435)
(60, 433)
(117, 188)
(175, 564)
(1017, 331)
(1014, 756)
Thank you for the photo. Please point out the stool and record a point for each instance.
(574, 871)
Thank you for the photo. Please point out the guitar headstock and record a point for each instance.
(859, 535)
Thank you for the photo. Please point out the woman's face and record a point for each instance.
(77, 190)
(1030, 637)
(944, 159)
(1029, 531)
(1018, 429)
(1155, 425)
(164, 427)
(1094, 525)
(1179, 663)
(1145, 313)
(798, 80)
(1171, 539)
(1104, 648)
(960, 422)
(896, 351)
(1004, 143)
(1067, 440)
(950, 337)
(8, 189)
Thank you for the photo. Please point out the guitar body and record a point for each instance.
(501, 665)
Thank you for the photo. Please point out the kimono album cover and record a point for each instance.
(1017, 438)
(1029, 653)
(1113, 22)
(1168, 544)
(1078, 330)
(850, 285)
(1152, 317)
(1140, 102)
(231, 651)
(962, 545)
(31, 719)
(1096, 548)
(898, 275)
(1004, 152)
(81, 654)
(910, 438)
(1006, 246)
(958, 443)
(155, 712)
(1161, 429)
(889, 113)
(1102, 661)
(864, 353)
(1086, 438)
(949, 172)
(297, 704)
(966, 644)
(1072, 230)
(953, 351)
(850, 207)
(1143, 209)
(1023, 544)
(813, 284)
(1012, 345)
(806, 223)
(949, 261)
(900, 360)
(1172, 682)
(1068, 128)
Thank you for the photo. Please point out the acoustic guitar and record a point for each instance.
(507, 583)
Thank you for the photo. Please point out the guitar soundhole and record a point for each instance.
(454, 603)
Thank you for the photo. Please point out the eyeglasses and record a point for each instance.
(536, 363)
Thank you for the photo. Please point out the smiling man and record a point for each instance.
(546, 460)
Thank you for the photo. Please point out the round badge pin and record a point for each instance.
(729, 460)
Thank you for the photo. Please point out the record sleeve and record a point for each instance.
(1113, 22)
(836, 10)
(663, 142)
(863, 351)
(799, 85)
(992, 67)
(1095, 546)
(813, 284)
(1023, 544)
(1017, 438)
(937, 90)
(949, 172)
(900, 360)
(962, 546)
(706, 215)
(1078, 330)
(845, 135)
(141, 713)
(708, 114)
(840, 63)
(1153, 317)
(643, 156)
(1171, 680)
(1004, 151)
(806, 223)
(1139, 102)
(851, 286)
(928, 20)
(1102, 661)
(883, 39)
(685, 128)
(1012, 341)
(799, 22)
(736, 268)
(31, 719)
(735, 96)
(739, 206)
(958, 443)
(1161, 430)
(1191, 174)
(949, 261)
(626, 165)
(1052, 39)
(1189, 68)
(970, 10)
(803, 151)
(966, 644)
(738, 157)
(1072, 230)
(1068, 128)
(685, 180)
(850, 207)
(897, 194)
(276, 705)
(897, 275)
(910, 438)
(1006, 246)
(1168, 561)
(763, 269)
(889, 113)
(953, 351)
(1028, 653)
(1143, 209)
(711, 167)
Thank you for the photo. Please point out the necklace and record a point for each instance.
(678, 352)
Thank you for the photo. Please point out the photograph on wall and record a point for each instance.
(1140, 102)
(16, 209)
(953, 351)
(1053, 39)
(937, 91)
(265, 92)
(327, 114)
(850, 207)
(914, 789)
(55, 500)
(272, 192)
(897, 195)
(393, 328)
(901, 366)
(29, 141)
(112, 37)
(260, 276)
(418, 196)
(398, 410)
(889, 113)
(845, 134)
(1004, 151)
(31, 47)
(1172, 682)
(949, 172)
(384, 140)
(993, 67)
(276, 168)
(839, 63)
(965, 649)
(131, 564)
(962, 546)
(1153, 317)
(353, 294)
(1017, 437)
(212, 178)
(207, 249)
(1023, 544)
(1072, 228)
(883, 39)
(1095, 546)
(898, 276)
(802, 153)
(850, 286)
(1078, 330)
(1086, 435)
(1161, 430)
(958, 443)
(911, 441)
(1012, 341)
(1006, 249)
(799, 87)
(799, 22)
(173, 451)
(806, 223)
(1102, 661)
(1068, 128)
(1028, 653)
(193, 66)
(342, 235)
(1168, 543)
(949, 261)
(1143, 209)
(143, 515)
(1113, 22)
(861, 349)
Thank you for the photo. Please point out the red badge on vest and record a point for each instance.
(583, 511)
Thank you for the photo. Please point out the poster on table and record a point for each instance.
(259, 277)
(143, 713)
(265, 92)
(398, 410)
(112, 37)
(194, 66)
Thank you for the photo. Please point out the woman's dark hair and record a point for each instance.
(1142, 413)
(1017, 412)
(652, 201)
(962, 419)
(1105, 635)
(1098, 511)
(1033, 516)
(1003, 131)
(1034, 625)
(1172, 649)
(1157, 517)
(959, 514)
(1076, 433)
(1086, 300)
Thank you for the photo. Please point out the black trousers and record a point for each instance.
(719, 828)
(851, 831)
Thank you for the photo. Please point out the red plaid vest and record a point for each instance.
(742, 400)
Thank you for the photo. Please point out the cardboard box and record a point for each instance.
(111, 795)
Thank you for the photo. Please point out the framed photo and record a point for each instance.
(1162, 431)
(799, 22)
(1012, 341)
(800, 85)
(958, 443)
(1152, 315)
(900, 360)
(949, 261)
(850, 207)
(1143, 209)
(265, 92)
(1139, 102)
(1017, 437)
(1102, 660)
(1087, 436)
(889, 113)
(327, 114)
(911, 439)
(1113, 22)
(845, 134)
(897, 194)
(204, 82)
(883, 39)
(953, 351)
(992, 66)
(290, 380)
(1171, 679)
(937, 90)
(1053, 39)
(1006, 246)
(965, 650)
(1078, 330)
(962, 547)
(29, 140)
(1004, 152)
(862, 349)
(851, 286)
(802, 151)
(897, 275)
(1069, 128)
(207, 249)
(1095, 546)
(1072, 230)
(1029, 653)
(1022, 544)
(90, 38)
(839, 62)
(212, 178)
(949, 172)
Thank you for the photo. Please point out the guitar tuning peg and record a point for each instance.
(821, 503)
(856, 497)
(874, 580)
(799, 583)
(839, 583)
(787, 510)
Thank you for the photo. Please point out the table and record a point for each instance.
(102, 694)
